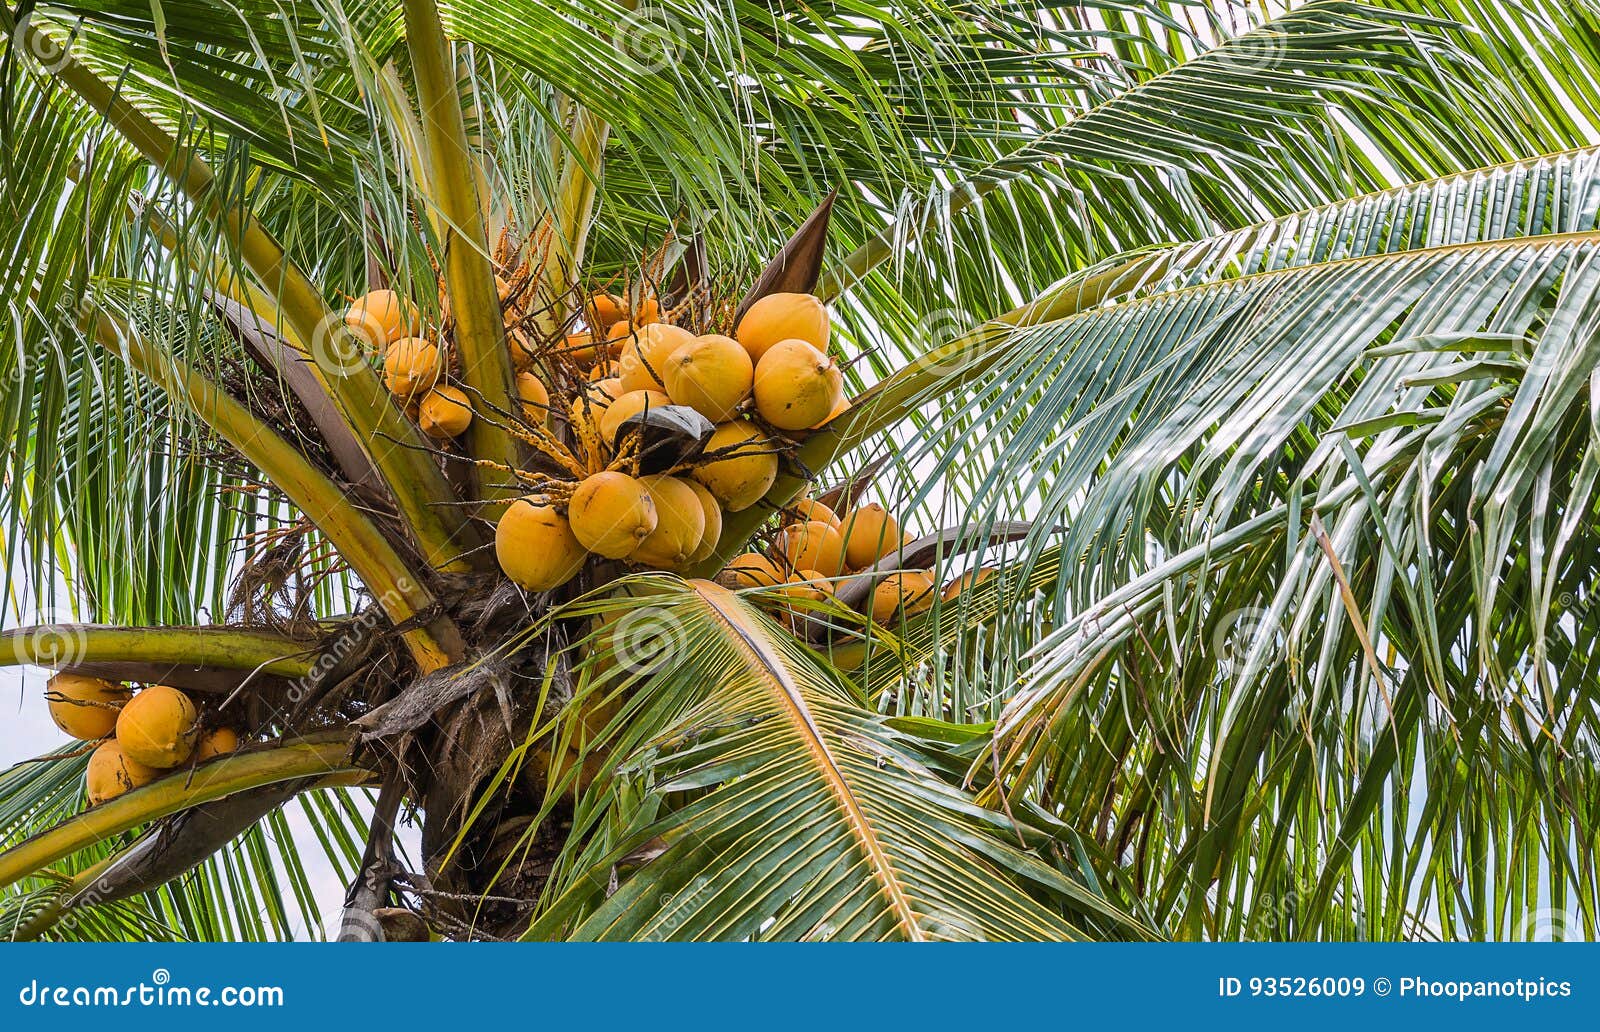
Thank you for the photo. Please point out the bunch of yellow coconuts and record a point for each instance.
(142, 734)
(763, 388)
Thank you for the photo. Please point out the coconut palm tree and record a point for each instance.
(1249, 349)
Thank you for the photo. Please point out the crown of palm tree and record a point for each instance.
(1252, 352)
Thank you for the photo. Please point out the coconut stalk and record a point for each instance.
(226, 648)
(468, 270)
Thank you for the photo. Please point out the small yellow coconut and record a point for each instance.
(745, 469)
(112, 773)
(411, 366)
(535, 397)
(219, 741)
(382, 317)
(604, 310)
(910, 591)
(445, 412)
(870, 533)
(581, 348)
(796, 386)
(158, 727)
(535, 545)
(751, 570)
(520, 347)
(589, 407)
(710, 374)
(783, 317)
(712, 511)
(85, 707)
(604, 369)
(627, 406)
(809, 509)
(966, 582)
(644, 356)
(812, 545)
(612, 513)
(681, 522)
(812, 585)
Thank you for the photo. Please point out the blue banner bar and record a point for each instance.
(814, 988)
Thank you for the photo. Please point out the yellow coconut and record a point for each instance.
(604, 369)
(870, 533)
(411, 366)
(966, 582)
(535, 546)
(535, 397)
(745, 469)
(752, 570)
(85, 707)
(625, 407)
(796, 386)
(712, 512)
(589, 407)
(111, 773)
(581, 348)
(710, 374)
(612, 513)
(644, 356)
(812, 585)
(158, 727)
(810, 509)
(908, 591)
(382, 317)
(219, 741)
(520, 347)
(445, 412)
(812, 545)
(783, 317)
(681, 522)
(604, 310)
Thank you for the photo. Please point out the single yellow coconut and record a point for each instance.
(445, 412)
(581, 348)
(809, 509)
(870, 533)
(681, 522)
(85, 707)
(603, 369)
(812, 585)
(520, 347)
(219, 741)
(710, 374)
(783, 317)
(111, 772)
(644, 356)
(745, 467)
(158, 727)
(712, 511)
(589, 407)
(625, 407)
(812, 545)
(796, 386)
(536, 547)
(411, 366)
(966, 582)
(604, 310)
(751, 570)
(612, 513)
(382, 317)
(535, 397)
(908, 591)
